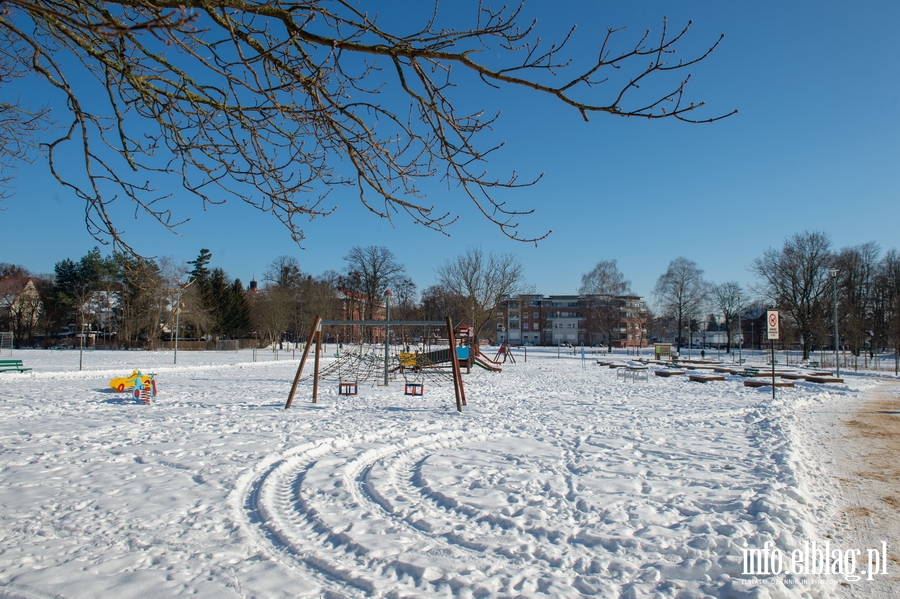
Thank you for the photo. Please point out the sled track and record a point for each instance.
(387, 514)
(318, 510)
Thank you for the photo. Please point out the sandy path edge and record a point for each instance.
(865, 445)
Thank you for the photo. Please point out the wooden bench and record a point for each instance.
(668, 372)
(12, 366)
(749, 372)
(768, 383)
(793, 376)
(824, 379)
(705, 378)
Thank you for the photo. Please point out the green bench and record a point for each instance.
(12, 366)
(750, 372)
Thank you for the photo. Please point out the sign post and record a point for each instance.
(772, 333)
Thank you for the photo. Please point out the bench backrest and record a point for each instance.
(10, 362)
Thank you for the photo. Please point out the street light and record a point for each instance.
(834, 273)
(387, 331)
(740, 332)
(81, 351)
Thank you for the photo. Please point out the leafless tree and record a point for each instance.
(889, 285)
(278, 103)
(857, 267)
(284, 272)
(142, 303)
(438, 303)
(19, 124)
(319, 299)
(731, 301)
(371, 271)
(603, 286)
(796, 279)
(277, 308)
(272, 311)
(680, 293)
(482, 280)
(183, 301)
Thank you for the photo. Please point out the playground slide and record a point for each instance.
(486, 365)
(481, 356)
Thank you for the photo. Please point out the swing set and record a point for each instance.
(362, 363)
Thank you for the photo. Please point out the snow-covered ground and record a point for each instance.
(557, 480)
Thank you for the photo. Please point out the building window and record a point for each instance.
(524, 326)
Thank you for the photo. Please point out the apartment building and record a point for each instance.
(572, 319)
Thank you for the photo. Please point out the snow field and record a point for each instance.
(557, 480)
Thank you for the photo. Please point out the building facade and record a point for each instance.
(20, 308)
(561, 319)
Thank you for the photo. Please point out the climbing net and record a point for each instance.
(360, 363)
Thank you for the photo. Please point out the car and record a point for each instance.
(129, 382)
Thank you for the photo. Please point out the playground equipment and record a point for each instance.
(505, 351)
(130, 382)
(6, 343)
(145, 389)
(360, 364)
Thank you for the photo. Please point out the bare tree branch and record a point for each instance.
(277, 104)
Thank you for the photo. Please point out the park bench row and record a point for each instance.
(12, 366)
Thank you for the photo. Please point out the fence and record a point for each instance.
(219, 345)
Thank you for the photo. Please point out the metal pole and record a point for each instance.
(773, 369)
(81, 351)
(387, 331)
(177, 316)
(837, 361)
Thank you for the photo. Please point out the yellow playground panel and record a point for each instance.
(129, 382)
(408, 360)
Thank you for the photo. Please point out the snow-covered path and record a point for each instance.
(557, 480)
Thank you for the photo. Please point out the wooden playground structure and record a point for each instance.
(363, 365)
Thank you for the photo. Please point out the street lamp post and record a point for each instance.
(387, 331)
(837, 339)
(81, 351)
(740, 332)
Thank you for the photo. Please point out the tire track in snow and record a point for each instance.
(358, 516)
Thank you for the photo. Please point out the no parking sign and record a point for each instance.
(772, 324)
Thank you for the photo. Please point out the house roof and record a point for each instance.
(14, 286)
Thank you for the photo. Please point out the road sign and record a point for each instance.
(772, 331)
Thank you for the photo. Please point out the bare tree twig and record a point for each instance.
(277, 104)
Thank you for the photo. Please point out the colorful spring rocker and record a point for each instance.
(142, 386)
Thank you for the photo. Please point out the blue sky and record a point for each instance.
(815, 146)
